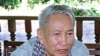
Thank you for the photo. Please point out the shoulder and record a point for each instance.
(80, 49)
(25, 49)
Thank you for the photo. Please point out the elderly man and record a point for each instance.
(55, 35)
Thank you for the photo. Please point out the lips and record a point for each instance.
(62, 51)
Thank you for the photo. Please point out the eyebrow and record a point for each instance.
(71, 30)
(67, 30)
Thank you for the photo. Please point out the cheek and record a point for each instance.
(70, 41)
(51, 45)
(50, 42)
(53, 42)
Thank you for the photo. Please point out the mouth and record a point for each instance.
(62, 51)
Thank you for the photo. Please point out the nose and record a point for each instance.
(63, 40)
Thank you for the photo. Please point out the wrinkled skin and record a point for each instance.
(58, 35)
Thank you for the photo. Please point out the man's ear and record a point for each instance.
(40, 35)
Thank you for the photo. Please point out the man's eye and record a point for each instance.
(70, 33)
(56, 34)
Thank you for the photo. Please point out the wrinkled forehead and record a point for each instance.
(60, 20)
(59, 17)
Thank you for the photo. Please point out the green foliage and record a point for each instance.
(85, 12)
(10, 4)
(79, 12)
(13, 4)
(57, 1)
(44, 1)
(31, 3)
(92, 12)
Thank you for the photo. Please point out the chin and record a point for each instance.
(61, 55)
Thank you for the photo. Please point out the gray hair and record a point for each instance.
(52, 9)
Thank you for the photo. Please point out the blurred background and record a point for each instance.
(82, 8)
(34, 7)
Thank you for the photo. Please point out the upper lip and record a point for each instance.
(62, 51)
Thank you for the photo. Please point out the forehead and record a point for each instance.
(60, 21)
(59, 17)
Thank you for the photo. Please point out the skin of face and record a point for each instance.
(58, 35)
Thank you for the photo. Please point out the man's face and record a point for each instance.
(58, 35)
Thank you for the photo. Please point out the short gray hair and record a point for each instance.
(48, 11)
